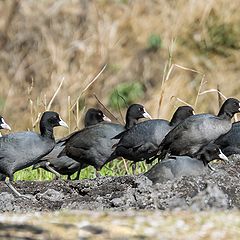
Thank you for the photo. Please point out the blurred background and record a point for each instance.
(61, 55)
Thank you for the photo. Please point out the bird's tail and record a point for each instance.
(62, 153)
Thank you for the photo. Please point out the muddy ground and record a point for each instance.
(141, 225)
(215, 190)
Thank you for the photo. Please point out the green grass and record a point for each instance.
(125, 94)
(154, 42)
(115, 168)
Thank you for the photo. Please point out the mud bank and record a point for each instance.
(215, 190)
(89, 225)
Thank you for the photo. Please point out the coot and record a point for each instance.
(22, 149)
(188, 137)
(65, 165)
(3, 125)
(230, 142)
(178, 166)
(142, 140)
(93, 145)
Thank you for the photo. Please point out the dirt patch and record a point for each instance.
(215, 190)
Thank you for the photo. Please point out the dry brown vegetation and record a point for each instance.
(44, 43)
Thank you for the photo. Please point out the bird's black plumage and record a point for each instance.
(22, 149)
(230, 142)
(93, 145)
(65, 165)
(142, 140)
(3, 125)
(188, 137)
(178, 166)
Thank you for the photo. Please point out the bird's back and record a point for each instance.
(93, 145)
(22, 149)
(147, 131)
(195, 131)
(175, 167)
(232, 137)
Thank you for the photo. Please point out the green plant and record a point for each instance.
(125, 94)
(222, 35)
(214, 36)
(154, 42)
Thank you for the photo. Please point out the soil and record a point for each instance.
(214, 190)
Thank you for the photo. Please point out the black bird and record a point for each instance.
(22, 149)
(178, 166)
(3, 125)
(141, 142)
(93, 145)
(188, 137)
(230, 142)
(65, 165)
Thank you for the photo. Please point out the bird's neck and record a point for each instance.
(130, 123)
(225, 115)
(175, 121)
(47, 132)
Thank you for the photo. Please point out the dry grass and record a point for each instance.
(44, 42)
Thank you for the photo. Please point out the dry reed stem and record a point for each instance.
(119, 109)
(221, 94)
(125, 165)
(199, 89)
(55, 94)
(166, 74)
(212, 90)
(88, 85)
(69, 114)
(181, 101)
(106, 108)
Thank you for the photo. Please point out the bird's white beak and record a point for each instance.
(62, 123)
(239, 107)
(105, 118)
(194, 113)
(223, 156)
(4, 125)
(146, 114)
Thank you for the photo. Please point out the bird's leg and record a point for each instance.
(8, 181)
(98, 174)
(211, 168)
(58, 176)
(206, 161)
(134, 168)
(78, 173)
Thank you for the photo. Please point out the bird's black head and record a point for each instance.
(181, 114)
(229, 108)
(94, 116)
(3, 124)
(211, 152)
(135, 112)
(48, 121)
